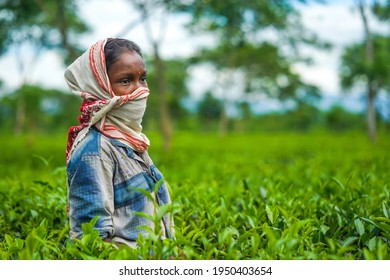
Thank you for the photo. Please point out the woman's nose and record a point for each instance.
(139, 84)
(142, 84)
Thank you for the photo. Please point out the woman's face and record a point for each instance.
(128, 73)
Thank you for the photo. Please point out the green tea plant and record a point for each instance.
(245, 196)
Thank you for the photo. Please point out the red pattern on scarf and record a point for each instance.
(86, 109)
(94, 68)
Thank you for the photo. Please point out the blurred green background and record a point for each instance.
(240, 69)
(276, 112)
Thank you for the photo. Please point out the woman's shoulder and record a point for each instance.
(93, 144)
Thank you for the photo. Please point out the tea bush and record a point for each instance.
(245, 196)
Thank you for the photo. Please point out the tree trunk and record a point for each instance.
(223, 121)
(371, 115)
(164, 117)
(371, 86)
(20, 114)
(226, 79)
(63, 29)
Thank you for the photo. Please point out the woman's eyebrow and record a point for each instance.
(126, 75)
(131, 73)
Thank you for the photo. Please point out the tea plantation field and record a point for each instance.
(246, 196)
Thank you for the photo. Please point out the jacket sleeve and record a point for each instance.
(90, 194)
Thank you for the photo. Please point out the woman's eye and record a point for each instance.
(125, 82)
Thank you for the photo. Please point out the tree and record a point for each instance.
(40, 24)
(355, 70)
(367, 63)
(381, 9)
(176, 91)
(45, 109)
(209, 110)
(338, 119)
(147, 10)
(256, 44)
(52, 24)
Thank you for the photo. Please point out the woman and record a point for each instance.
(109, 171)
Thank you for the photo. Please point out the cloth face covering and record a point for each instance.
(117, 117)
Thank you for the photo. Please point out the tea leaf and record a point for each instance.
(270, 215)
(359, 226)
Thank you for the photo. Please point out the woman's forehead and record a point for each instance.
(128, 61)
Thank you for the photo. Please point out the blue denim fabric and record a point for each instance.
(106, 178)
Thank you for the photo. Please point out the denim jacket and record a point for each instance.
(106, 178)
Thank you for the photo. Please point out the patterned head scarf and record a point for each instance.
(118, 117)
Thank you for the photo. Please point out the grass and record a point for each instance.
(245, 196)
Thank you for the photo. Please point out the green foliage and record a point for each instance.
(246, 196)
(266, 69)
(235, 21)
(33, 108)
(355, 68)
(258, 39)
(209, 110)
(338, 119)
(303, 117)
(175, 72)
(381, 9)
(47, 24)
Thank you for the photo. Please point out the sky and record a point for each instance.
(337, 22)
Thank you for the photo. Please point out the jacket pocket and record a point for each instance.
(131, 192)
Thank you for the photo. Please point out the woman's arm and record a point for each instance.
(90, 194)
